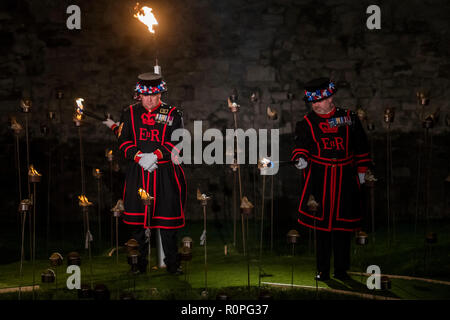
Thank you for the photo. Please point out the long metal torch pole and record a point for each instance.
(83, 185)
(110, 198)
(262, 229)
(240, 192)
(34, 237)
(22, 251)
(234, 208)
(27, 139)
(206, 257)
(89, 243)
(99, 209)
(388, 183)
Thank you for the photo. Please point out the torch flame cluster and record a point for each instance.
(143, 194)
(33, 172)
(84, 202)
(145, 16)
(79, 111)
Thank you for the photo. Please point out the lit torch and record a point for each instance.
(34, 175)
(83, 201)
(97, 173)
(78, 116)
(145, 15)
(109, 155)
(145, 197)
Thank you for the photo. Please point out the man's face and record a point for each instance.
(151, 101)
(324, 106)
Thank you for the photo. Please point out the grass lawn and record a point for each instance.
(228, 273)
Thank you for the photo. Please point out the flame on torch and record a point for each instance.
(96, 173)
(33, 172)
(84, 202)
(80, 108)
(109, 154)
(145, 16)
(144, 195)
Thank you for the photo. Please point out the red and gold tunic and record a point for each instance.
(144, 131)
(336, 149)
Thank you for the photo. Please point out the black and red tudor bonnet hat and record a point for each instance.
(319, 89)
(150, 83)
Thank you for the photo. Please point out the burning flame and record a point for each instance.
(33, 172)
(84, 202)
(146, 16)
(96, 173)
(80, 106)
(109, 154)
(144, 195)
(79, 111)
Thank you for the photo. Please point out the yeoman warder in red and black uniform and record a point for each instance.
(331, 146)
(145, 140)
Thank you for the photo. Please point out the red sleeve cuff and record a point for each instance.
(137, 156)
(158, 154)
(113, 126)
(362, 169)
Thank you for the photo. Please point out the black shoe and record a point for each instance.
(143, 266)
(178, 271)
(322, 276)
(341, 275)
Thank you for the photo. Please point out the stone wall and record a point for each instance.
(207, 48)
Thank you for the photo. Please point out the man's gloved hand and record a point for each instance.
(302, 164)
(148, 160)
(153, 168)
(109, 123)
(361, 176)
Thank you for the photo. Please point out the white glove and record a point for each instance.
(302, 164)
(148, 160)
(109, 123)
(361, 176)
(153, 168)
